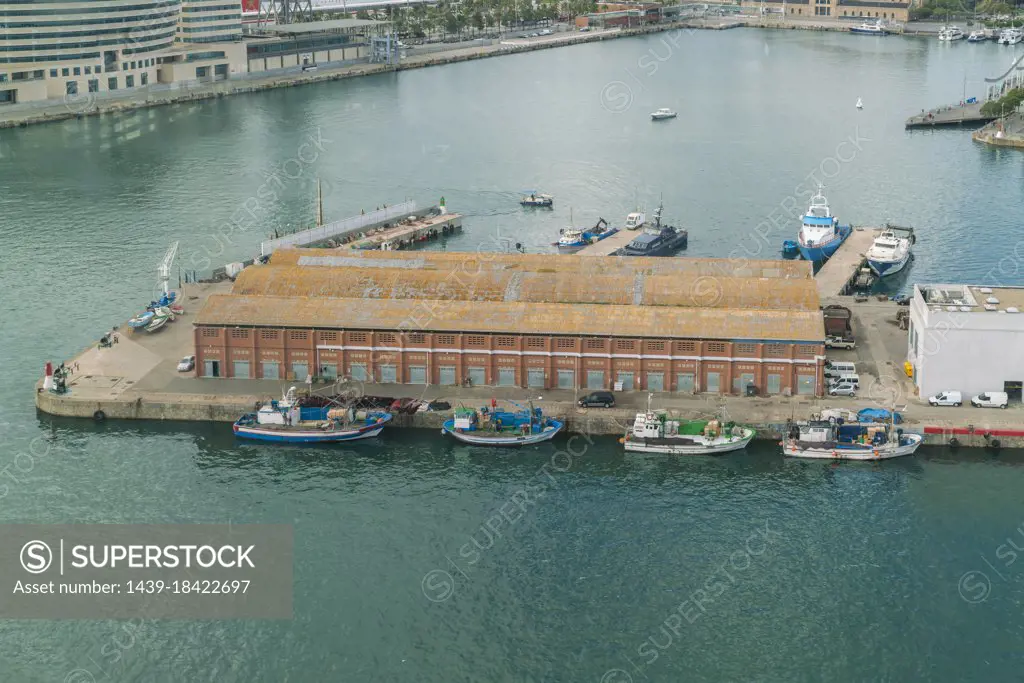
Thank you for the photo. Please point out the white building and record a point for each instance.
(56, 49)
(967, 338)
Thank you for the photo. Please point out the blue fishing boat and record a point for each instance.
(573, 239)
(790, 249)
(493, 427)
(286, 421)
(820, 233)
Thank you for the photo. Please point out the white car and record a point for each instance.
(842, 388)
(991, 399)
(187, 363)
(946, 398)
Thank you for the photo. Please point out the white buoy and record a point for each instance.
(860, 105)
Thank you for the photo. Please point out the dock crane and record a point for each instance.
(165, 267)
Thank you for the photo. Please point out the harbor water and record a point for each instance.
(617, 569)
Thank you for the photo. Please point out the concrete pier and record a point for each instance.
(137, 379)
(408, 232)
(842, 267)
(610, 245)
(968, 114)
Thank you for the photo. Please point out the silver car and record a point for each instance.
(842, 388)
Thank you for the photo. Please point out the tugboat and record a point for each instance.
(653, 432)
(493, 427)
(534, 198)
(820, 233)
(657, 240)
(573, 239)
(285, 421)
(890, 251)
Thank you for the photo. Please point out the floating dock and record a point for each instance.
(839, 271)
(968, 114)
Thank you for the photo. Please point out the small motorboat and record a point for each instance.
(177, 309)
(141, 320)
(157, 322)
(662, 114)
(493, 427)
(860, 103)
(790, 248)
(534, 198)
(977, 37)
(890, 251)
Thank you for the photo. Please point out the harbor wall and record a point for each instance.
(596, 421)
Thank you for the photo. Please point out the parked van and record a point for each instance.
(991, 399)
(946, 398)
(835, 368)
(851, 377)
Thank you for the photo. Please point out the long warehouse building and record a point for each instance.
(686, 325)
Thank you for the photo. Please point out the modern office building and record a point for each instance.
(54, 50)
(967, 338)
(541, 321)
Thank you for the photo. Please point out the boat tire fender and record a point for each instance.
(954, 442)
(994, 443)
(99, 416)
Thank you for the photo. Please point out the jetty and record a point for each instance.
(838, 273)
(956, 115)
(610, 245)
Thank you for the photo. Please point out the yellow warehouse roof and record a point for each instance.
(472, 262)
(685, 289)
(511, 318)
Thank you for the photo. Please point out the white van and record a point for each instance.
(991, 399)
(946, 398)
(834, 368)
(848, 377)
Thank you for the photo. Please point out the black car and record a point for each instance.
(605, 399)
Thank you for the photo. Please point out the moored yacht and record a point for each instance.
(869, 28)
(1011, 36)
(950, 33)
(889, 253)
(820, 232)
(977, 37)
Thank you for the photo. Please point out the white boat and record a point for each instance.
(157, 322)
(663, 114)
(1011, 36)
(869, 28)
(889, 253)
(636, 220)
(860, 103)
(534, 198)
(653, 432)
(834, 441)
(950, 33)
(977, 37)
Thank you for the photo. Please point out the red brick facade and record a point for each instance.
(698, 366)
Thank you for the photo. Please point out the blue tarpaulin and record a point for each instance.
(877, 415)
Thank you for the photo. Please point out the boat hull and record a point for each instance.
(308, 436)
(886, 268)
(868, 32)
(666, 249)
(852, 451)
(821, 252)
(666, 447)
(483, 438)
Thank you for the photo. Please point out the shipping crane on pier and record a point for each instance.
(165, 267)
